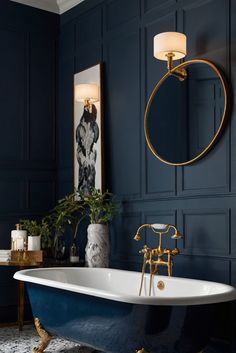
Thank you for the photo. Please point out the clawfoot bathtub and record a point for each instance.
(101, 308)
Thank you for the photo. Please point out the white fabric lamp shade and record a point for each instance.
(169, 42)
(86, 91)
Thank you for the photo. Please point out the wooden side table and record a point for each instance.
(21, 287)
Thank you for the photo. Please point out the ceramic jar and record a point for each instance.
(34, 243)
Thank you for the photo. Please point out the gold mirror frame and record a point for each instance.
(223, 118)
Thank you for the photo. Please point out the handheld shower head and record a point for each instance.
(160, 228)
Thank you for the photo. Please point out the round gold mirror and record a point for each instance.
(185, 117)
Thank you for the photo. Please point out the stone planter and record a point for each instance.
(97, 248)
(34, 243)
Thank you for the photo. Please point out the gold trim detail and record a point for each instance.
(141, 351)
(172, 72)
(45, 337)
(160, 285)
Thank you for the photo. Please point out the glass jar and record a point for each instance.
(74, 253)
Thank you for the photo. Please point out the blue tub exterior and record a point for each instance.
(116, 327)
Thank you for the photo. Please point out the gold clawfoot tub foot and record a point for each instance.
(141, 351)
(45, 337)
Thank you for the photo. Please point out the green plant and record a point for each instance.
(38, 228)
(100, 207)
(68, 211)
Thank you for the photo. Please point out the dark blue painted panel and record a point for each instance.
(125, 228)
(88, 55)
(165, 182)
(115, 14)
(233, 83)
(5, 228)
(67, 40)
(206, 231)
(12, 192)
(41, 195)
(12, 91)
(233, 273)
(151, 4)
(208, 36)
(209, 175)
(27, 126)
(122, 119)
(211, 269)
(42, 106)
(154, 69)
(89, 27)
(28, 19)
(65, 112)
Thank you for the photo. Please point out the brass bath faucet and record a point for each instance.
(155, 257)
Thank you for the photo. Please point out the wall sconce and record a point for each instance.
(87, 93)
(170, 46)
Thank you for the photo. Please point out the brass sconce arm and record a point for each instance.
(180, 73)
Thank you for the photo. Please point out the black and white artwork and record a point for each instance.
(87, 130)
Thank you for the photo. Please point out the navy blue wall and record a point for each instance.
(199, 198)
(28, 46)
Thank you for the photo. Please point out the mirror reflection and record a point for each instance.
(183, 118)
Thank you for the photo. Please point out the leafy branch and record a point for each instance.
(100, 207)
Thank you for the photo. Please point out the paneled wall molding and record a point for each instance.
(121, 118)
(124, 231)
(206, 231)
(79, 11)
(197, 179)
(150, 5)
(140, 181)
(28, 123)
(14, 115)
(116, 17)
(153, 71)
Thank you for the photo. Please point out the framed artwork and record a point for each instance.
(88, 134)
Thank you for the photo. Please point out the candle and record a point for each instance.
(20, 244)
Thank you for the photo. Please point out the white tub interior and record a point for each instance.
(124, 286)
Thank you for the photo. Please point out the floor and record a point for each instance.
(13, 341)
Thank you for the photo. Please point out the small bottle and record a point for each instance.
(74, 253)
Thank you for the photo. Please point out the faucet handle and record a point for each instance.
(145, 250)
(175, 251)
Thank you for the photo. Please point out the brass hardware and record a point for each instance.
(160, 285)
(45, 337)
(176, 72)
(180, 73)
(18, 226)
(141, 351)
(155, 257)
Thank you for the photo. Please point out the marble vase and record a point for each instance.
(98, 247)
